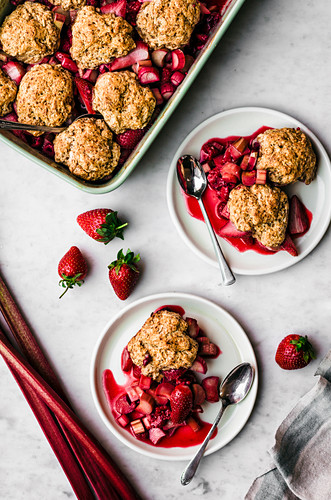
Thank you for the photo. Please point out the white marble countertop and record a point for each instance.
(275, 54)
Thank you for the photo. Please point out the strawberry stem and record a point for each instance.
(69, 282)
(111, 228)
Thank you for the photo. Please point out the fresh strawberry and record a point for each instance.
(130, 138)
(72, 269)
(294, 352)
(102, 224)
(124, 274)
(181, 402)
(85, 90)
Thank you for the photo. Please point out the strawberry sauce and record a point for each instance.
(214, 205)
(183, 437)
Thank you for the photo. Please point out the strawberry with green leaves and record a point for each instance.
(72, 269)
(294, 352)
(102, 224)
(124, 274)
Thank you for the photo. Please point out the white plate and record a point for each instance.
(220, 327)
(316, 196)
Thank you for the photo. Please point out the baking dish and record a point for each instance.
(230, 11)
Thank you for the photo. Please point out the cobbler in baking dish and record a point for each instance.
(124, 59)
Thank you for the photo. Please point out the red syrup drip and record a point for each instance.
(184, 436)
(212, 204)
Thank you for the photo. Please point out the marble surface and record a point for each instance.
(275, 54)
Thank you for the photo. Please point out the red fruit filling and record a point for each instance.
(164, 413)
(229, 162)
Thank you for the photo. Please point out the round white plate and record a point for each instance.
(316, 196)
(220, 327)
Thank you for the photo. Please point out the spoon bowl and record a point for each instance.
(192, 179)
(234, 389)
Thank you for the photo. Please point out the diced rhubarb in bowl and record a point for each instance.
(162, 70)
(165, 412)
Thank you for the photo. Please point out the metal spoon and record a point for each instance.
(7, 125)
(193, 181)
(234, 389)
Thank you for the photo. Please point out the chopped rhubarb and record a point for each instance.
(240, 146)
(252, 160)
(248, 178)
(141, 64)
(158, 57)
(132, 394)
(177, 59)
(167, 90)
(118, 8)
(203, 339)
(126, 361)
(137, 426)
(261, 177)
(210, 385)
(66, 62)
(85, 90)
(298, 219)
(59, 20)
(123, 420)
(14, 70)
(195, 426)
(193, 327)
(189, 60)
(158, 96)
(230, 172)
(244, 162)
(156, 434)
(199, 365)
(147, 422)
(204, 9)
(146, 404)
(148, 75)
(208, 350)
(137, 54)
(199, 394)
(145, 382)
(177, 77)
(123, 405)
(206, 167)
(91, 75)
(164, 389)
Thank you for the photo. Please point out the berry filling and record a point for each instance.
(229, 162)
(165, 413)
(162, 70)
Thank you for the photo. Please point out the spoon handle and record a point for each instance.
(226, 273)
(190, 470)
(7, 125)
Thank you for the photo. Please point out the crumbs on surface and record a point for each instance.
(165, 339)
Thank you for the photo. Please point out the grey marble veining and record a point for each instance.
(275, 54)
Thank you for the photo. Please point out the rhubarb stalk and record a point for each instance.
(31, 349)
(29, 375)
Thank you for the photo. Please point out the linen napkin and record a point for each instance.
(302, 451)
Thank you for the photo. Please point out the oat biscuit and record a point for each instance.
(8, 91)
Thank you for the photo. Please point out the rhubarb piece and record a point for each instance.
(67, 417)
(177, 59)
(252, 160)
(199, 365)
(244, 162)
(147, 422)
(137, 426)
(134, 415)
(158, 57)
(141, 64)
(176, 78)
(132, 394)
(167, 90)
(158, 96)
(14, 70)
(137, 54)
(238, 147)
(195, 426)
(189, 60)
(144, 382)
(206, 167)
(199, 395)
(156, 434)
(91, 75)
(139, 391)
(66, 62)
(193, 327)
(118, 8)
(123, 405)
(146, 404)
(261, 177)
(126, 361)
(210, 385)
(181, 402)
(59, 20)
(85, 90)
(148, 75)
(164, 389)
(203, 340)
(123, 420)
(210, 350)
(230, 172)
(204, 8)
(298, 219)
(248, 178)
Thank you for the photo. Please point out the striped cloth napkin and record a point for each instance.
(302, 452)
